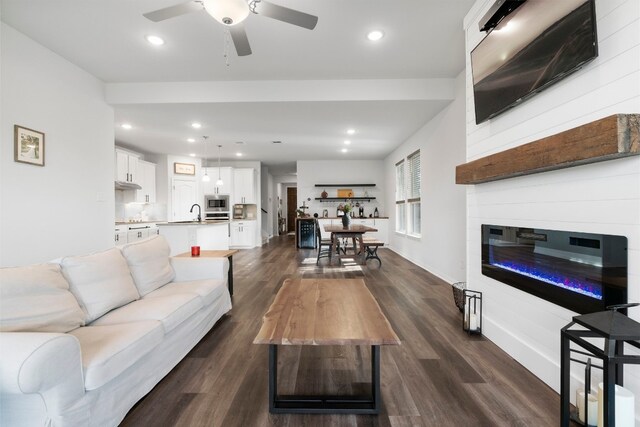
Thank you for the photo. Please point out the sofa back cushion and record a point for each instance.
(100, 282)
(36, 298)
(149, 263)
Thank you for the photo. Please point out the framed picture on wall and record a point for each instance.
(184, 168)
(28, 145)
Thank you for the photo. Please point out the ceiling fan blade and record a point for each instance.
(173, 11)
(240, 40)
(285, 14)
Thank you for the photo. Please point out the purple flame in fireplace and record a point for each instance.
(585, 287)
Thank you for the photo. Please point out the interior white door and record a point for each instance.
(183, 196)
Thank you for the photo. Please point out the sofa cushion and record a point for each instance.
(149, 263)
(109, 350)
(171, 311)
(36, 298)
(100, 282)
(208, 290)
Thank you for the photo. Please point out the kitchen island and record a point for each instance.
(209, 235)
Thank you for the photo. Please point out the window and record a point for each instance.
(400, 199)
(414, 193)
(408, 208)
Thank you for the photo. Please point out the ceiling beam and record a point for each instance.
(280, 91)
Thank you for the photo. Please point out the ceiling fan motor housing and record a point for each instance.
(227, 12)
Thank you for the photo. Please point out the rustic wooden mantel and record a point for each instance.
(609, 138)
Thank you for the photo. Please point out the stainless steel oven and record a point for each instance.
(216, 203)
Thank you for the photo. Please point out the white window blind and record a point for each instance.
(414, 176)
(400, 192)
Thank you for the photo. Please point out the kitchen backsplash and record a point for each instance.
(138, 211)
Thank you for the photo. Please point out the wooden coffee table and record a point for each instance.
(325, 312)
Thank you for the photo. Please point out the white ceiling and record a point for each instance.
(424, 40)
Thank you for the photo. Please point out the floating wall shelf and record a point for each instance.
(337, 199)
(345, 185)
(609, 138)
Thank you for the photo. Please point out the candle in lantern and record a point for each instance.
(592, 404)
(473, 322)
(625, 406)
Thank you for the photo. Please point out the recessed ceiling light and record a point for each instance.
(126, 126)
(239, 154)
(155, 40)
(191, 140)
(351, 131)
(192, 154)
(344, 150)
(375, 35)
(347, 142)
(196, 125)
(240, 142)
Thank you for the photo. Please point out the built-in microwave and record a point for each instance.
(216, 203)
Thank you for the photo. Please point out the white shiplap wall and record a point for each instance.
(598, 198)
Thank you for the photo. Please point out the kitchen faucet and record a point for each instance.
(199, 211)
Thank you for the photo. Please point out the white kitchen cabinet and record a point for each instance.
(242, 234)
(244, 189)
(147, 173)
(127, 167)
(120, 235)
(137, 234)
(226, 174)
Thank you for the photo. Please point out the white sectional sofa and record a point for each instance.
(84, 338)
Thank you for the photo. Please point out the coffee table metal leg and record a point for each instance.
(375, 377)
(273, 377)
(324, 404)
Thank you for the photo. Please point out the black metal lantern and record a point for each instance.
(472, 319)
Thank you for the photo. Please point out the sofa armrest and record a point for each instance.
(202, 268)
(49, 364)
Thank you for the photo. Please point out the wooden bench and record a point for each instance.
(371, 249)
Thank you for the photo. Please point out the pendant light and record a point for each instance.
(219, 182)
(205, 177)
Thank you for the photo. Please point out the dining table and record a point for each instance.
(354, 232)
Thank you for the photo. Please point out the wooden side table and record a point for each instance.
(218, 254)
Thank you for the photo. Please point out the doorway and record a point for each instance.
(292, 202)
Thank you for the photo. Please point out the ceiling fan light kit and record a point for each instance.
(231, 13)
(227, 12)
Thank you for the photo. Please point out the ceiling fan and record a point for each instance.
(231, 13)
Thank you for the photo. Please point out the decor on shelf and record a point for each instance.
(458, 294)
(324, 194)
(184, 168)
(28, 146)
(325, 213)
(346, 218)
(345, 192)
(472, 320)
(205, 177)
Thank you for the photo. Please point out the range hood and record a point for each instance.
(124, 185)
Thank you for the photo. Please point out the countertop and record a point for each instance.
(137, 222)
(210, 222)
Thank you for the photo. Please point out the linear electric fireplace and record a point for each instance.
(579, 271)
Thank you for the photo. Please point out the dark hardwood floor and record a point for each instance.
(439, 376)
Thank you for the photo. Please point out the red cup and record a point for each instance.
(195, 250)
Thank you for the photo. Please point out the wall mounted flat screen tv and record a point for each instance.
(535, 46)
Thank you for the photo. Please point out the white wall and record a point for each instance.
(441, 248)
(597, 198)
(311, 173)
(67, 206)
